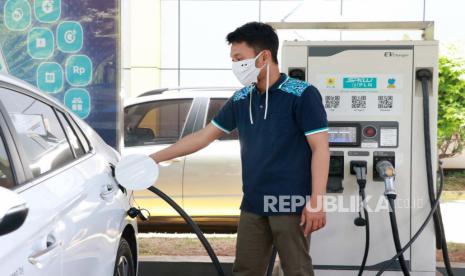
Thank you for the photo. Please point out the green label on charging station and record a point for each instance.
(359, 83)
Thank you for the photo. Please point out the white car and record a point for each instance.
(61, 210)
(208, 183)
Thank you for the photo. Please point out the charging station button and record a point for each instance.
(369, 132)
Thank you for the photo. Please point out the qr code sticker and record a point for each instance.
(332, 101)
(385, 102)
(359, 102)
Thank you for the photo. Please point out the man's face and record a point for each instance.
(241, 51)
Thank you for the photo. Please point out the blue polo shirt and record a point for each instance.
(275, 154)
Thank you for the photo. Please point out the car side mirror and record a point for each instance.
(13, 211)
(136, 172)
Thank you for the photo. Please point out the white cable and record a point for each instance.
(267, 84)
(250, 108)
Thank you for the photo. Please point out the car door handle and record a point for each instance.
(42, 257)
(108, 191)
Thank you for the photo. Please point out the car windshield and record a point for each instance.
(158, 122)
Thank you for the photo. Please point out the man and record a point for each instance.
(282, 129)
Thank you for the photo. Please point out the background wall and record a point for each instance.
(182, 42)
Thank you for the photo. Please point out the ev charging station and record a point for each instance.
(375, 110)
(381, 101)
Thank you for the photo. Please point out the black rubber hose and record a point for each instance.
(445, 251)
(395, 235)
(422, 227)
(194, 227)
(269, 270)
(425, 75)
(367, 234)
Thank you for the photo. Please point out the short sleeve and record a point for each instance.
(225, 119)
(310, 113)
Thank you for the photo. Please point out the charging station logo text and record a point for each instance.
(393, 54)
(359, 82)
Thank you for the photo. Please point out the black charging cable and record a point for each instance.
(134, 212)
(425, 76)
(386, 171)
(360, 174)
(422, 227)
(395, 233)
(269, 270)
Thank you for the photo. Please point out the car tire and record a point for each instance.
(124, 265)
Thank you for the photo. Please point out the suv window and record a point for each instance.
(159, 122)
(72, 137)
(6, 174)
(39, 132)
(81, 135)
(213, 109)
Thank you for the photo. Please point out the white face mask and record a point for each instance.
(246, 71)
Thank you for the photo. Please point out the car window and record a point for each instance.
(158, 122)
(39, 132)
(6, 174)
(82, 137)
(72, 137)
(213, 109)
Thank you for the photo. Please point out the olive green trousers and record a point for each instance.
(257, 234)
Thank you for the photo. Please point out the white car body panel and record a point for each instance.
(78, 207)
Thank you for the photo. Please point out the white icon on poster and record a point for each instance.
(41, 43)
(49, 77)
(76, 104)
(70, 36)
(79, 70)
(17, 14)
(47, 6)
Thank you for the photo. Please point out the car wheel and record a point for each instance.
(124, 265)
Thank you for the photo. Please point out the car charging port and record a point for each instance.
(135, 212)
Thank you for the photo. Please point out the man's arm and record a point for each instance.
(189, 144)
(313, 215)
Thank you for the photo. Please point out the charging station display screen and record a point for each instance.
(343, 135)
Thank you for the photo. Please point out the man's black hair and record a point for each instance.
(259, 36)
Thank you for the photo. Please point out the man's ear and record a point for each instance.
(265, 57)
(269, 57)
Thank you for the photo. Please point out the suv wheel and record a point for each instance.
(124, 265)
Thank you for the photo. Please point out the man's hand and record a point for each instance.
(313, 217)
(189, 144)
